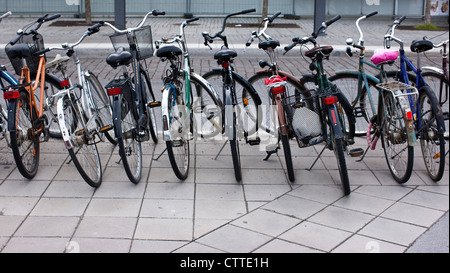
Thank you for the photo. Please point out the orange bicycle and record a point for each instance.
(28, 125)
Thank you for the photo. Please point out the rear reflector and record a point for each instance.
(64, 83)
(114, 91)
(10, 95)
(330, 100)
(409, 115)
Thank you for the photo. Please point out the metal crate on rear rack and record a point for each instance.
(35, 43)
(142, 38)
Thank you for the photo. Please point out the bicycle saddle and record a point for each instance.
(118, 59)
(225, 53)
(326, 50)
(421, 46)
(19, 51)
(269, 44)
(168, 52)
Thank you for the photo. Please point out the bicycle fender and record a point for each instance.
(229, 118)
(117, 115)
(62, 123)
(12, 115)
(433, 69)
(333, 115)
(167, 136)
(200, 79)
(249, 87)
(355, 72)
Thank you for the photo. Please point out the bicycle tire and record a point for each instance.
(233, 137)
(130, 150)
(433, 79)
(246, 97)
(399, 155)
(101, 105)
(25, 149)
(149, 95)
(288, 157)
(339, 152)
(178, 146)
(83, 150)
(348, 84)
(431, 136)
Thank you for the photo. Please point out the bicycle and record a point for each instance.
(133, 100)
(438, 79)
(327, 102)
(278, 84)
(235, 98)
(355, 83)
(4, 75)
(182, 101)
(428, 118)
(27, 123)
(83, 110)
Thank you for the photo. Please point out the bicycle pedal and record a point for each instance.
(446, 115)
(143, 136)
(356, 152)
(254, 142)
(154, 104)
(359, 112)
(106, 128)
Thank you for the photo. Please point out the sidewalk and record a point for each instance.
(209, 212)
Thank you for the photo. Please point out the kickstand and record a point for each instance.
(221, 150)
(315, 161)
(364, 155)
(156, 159)
(270, 153)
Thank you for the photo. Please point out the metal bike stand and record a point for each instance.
(315, 161)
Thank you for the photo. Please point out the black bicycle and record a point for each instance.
(133, 100)
(241, 101)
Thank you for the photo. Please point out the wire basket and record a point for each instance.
(142, 38)
(35, 43)
(304, 117)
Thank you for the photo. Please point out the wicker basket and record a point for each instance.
(35, 43)
(142, 38)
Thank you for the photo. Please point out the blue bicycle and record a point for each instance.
(428, 115)
(10, 80)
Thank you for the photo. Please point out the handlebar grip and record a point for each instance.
(15, 40)
(158, 12)
(274, 17)
(247, 11)
(42, 18)
(332, 20)
(6, 15)
(192, 20)
(388, 44)
(249, 42)
(289, 47)
(53, 17)
(349, 52)
(399, 21)
(41, 51)
(95, 28)
(371, 14)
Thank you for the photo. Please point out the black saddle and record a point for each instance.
(421, 46)
(19, 51)
(269, 44)
(118, 59)
(168, 52)
(326, 50)
(225, 54)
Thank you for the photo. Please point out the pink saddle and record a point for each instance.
(384, 55)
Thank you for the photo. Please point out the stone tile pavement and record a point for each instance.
(209, 212)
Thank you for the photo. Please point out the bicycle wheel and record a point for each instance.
(179, 124)
(245, 98)
(129, 148)
(431, 133)
(288, 157)
(84, 153)
(101, 106)
(339, 153)
(439, 84)
(348, 84)
(150, 97)
(399, 155)
(232, 126)
(258, 82)
(24, 145)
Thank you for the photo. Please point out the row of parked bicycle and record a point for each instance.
(396, 106)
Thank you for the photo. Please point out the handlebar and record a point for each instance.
(5, 15)
(255, 34)
(312, 38)
(390, 36)
(39, 21)
(153, 12)
(209, 39)
(360, 44)
(178, 37)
